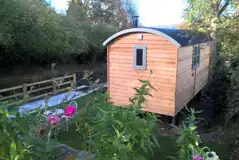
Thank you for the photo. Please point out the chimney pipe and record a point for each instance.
(136, 21)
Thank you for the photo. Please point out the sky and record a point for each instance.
(151, 12)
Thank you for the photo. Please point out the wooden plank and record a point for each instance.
(153, 54)
(63, 89)
(152, 79)
(108, 67)
(149, 60)
(156, 96)
(148, 41)
(69, 76)
(149, 50)
(155, 85)
(126, 91)
(149, 45)
(148, 66)
(145, 77)
(39, 96)
(163, 68)
(184, 88)
(40, 82)
(159, 111)
(11, 88)
(11, 96)
(161, 106)
(65, 83)
(74, 79)
(170, 91)
(14, 103)
(134, 36)
(165, 106)
(132, 82)
(184, 51)
(189, 56)
(40, 89)
(49, 80)
(141, 76)
(132, 72)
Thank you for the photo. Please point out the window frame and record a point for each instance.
(196, 56)
(139, 67)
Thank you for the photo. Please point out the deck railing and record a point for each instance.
(37, 90)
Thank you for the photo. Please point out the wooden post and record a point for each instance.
(54, 89)
(73, 81)
(25, 94)
(174, 120)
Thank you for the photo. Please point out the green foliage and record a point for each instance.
(31, 31)
(12, 146)
(115, 13)
(206, 16)
(117, 132)
(189, 141)
(218, 87)
(220, 19)
(20, 137)
(232, 109)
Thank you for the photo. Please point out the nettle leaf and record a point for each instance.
(143, 81)
(13, 149)
(118, 122)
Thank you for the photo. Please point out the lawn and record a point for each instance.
(168, 146)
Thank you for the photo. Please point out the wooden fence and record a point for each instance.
(37, 90)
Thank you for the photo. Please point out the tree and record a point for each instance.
(220, 19)
(206, 15)
(99, 19)
(111, 12)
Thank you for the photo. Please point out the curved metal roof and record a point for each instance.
(178, 37)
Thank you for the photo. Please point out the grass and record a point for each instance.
(168, 146)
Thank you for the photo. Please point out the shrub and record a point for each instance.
(118, 132)
(34, 33)
(190, 145)
(20, 138)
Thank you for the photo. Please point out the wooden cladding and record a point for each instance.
(191, 81)
(37, 90)
(122, 77)
(175, 81)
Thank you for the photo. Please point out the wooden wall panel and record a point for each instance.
(185, 80)
(161, 59)
(202, 71)
(189, 83)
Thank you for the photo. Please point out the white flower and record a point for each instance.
(48, 113)
(211, 156)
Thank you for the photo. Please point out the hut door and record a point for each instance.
(194, 80)
(195, 65)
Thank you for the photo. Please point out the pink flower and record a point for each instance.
(70, 111)
(196, 157)
(53, 119)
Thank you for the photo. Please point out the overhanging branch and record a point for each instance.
(223, 8)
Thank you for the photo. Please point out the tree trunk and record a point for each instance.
(94, 58)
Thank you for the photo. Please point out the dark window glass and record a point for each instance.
(139, 57)
(196, 57)
(194, 51)
(194, 61)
